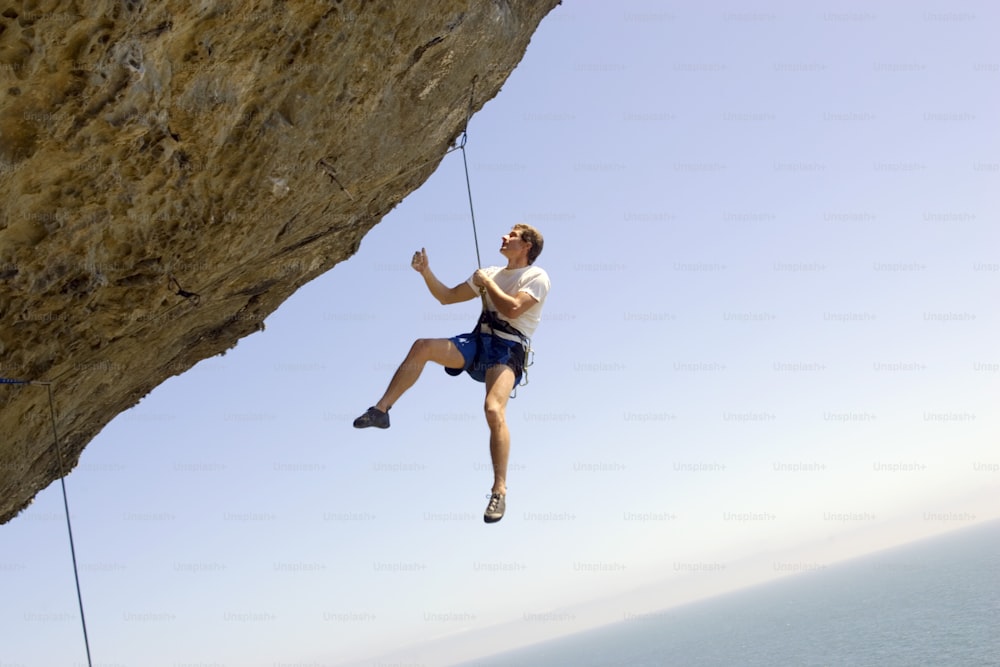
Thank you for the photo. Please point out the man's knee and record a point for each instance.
(495, 412)
(421, 349)
(438, 350)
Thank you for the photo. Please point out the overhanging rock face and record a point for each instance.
(233, 150)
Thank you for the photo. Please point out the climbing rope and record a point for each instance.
(468, 188)
(69, 526)
(468, 183)
(486, 315)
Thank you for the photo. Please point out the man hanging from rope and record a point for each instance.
(494, 353)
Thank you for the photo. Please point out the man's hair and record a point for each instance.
(532, 236)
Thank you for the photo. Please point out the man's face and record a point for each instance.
(512, 244)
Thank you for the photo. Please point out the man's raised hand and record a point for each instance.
(419, 261)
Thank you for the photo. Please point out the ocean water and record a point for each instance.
(935, 603)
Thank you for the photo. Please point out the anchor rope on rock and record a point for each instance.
(62, 483)
(193, 296)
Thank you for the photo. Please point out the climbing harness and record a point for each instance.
(490, 324)
(62, 482)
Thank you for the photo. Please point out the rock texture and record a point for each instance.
(150, 151)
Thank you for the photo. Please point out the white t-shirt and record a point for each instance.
(530, 279)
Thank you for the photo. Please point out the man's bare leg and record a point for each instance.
(499, 384)
(439, 350)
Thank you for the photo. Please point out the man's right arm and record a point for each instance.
(445, 295)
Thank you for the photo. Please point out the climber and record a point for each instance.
(493, 353)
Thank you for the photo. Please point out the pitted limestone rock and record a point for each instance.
(235, 150)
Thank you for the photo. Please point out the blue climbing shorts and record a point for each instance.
(482, 350)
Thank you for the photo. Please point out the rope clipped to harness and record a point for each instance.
(488, 318)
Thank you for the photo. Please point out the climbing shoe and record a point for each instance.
(372, 417)
(495, 508)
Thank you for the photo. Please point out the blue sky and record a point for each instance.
(772, 236)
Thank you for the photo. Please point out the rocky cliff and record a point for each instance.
(173, 171)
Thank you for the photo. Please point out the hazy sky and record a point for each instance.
(770, 344)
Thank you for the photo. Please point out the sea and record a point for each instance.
(934, 603)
